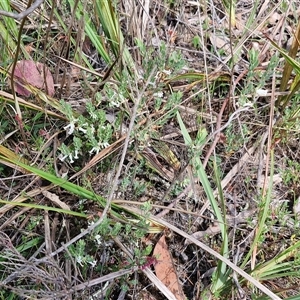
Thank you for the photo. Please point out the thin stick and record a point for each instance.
(22, 14)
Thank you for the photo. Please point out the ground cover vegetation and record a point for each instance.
(149, 149)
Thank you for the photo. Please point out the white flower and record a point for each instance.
(79, 260)
(70, 127)
(98, 239)
(62, 157)
(76, 154)
(261, 92)
(71, 158)
(95, 149)
(112, 103)
(82, 130)
(158, 94)
(93, 263)
(104, 145)
(99, 147)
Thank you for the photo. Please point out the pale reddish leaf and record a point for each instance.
(30, 72)
(165, 270)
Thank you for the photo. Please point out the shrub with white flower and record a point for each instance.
(79, 252)
(90, 133)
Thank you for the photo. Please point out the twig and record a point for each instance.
(174, 202)
(24, 13)
(216, 134)
(104, 278)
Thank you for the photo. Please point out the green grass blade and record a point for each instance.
(91, 31)
(187, 139)
(287, 71)
(71, 187)
(44, 207)
(263, 213)
(295, 64)
(112, 30)
(276, 266)
(202, 175)
(9, 32)
(229, 6)
(220, 275)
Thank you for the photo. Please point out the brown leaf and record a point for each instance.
(210, 231)
(220, 42)
(165, 270)
(30, 72)
(55, 199)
